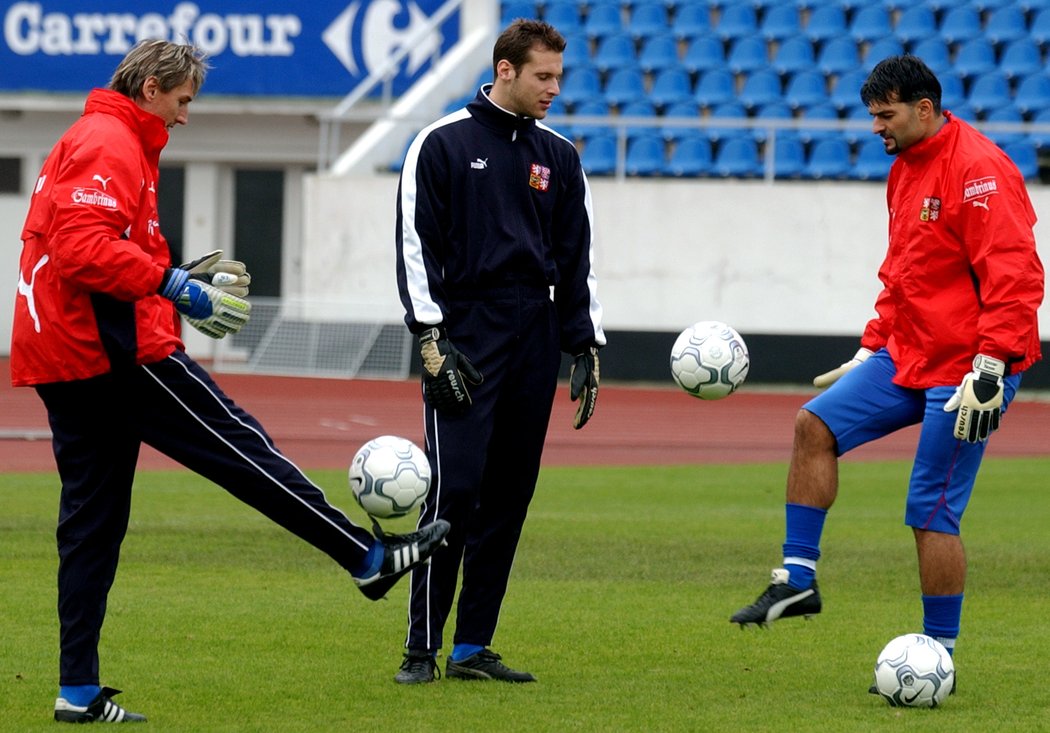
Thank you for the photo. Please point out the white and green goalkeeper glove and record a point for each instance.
(828, 378)
(583, 385)
(210, 310)
(979, 400)
(229, 276)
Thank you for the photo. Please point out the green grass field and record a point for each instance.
(619, 603)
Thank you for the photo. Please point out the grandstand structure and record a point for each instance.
(770, 88)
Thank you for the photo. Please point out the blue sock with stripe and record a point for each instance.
(941, 618)
(79, 695)
(804, 526)
(372, 562)
(462, 651)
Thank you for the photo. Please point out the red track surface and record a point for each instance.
(320, 423)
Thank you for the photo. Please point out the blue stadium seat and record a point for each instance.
(1033, 6)
(953, 91)
(714, 87)
(599, 155)
(510, 11)
(746, 55)
(565, 17)
(789, 157)
(826, 22)
(737, 21)
(989, 91)
(823, 113)
(1025, 157)
(870, 23)
(915, 24)
(1004, 24)
(704, 53)
(1021, 58)
(880, 49)
(623, 86)
(846, 92)
(581, 85)
(935, 53)
(960, 24)
(727, 111)
(659, 52)
(648, 18)
(603, 20)
(737, 158)
(643, 109)
(986, 5)
(872, 163)
(587, 130)
(645, 156)
(1007, 114)
(691, 21)
(1032, 95)
(691, 157)
(964, 112)
(828, 159)
(793, 55)
(615, 51)
(805, 89)
(838, 56)
(772, 111)
(975, 57)
(1041, 140)
(1039, 30)
(671, 86)
(780, 22)
(688, 110)
(858, 133)
(577, 50)
(760, 88)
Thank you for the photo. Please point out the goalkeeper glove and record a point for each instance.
(227, 275)
(583, 385)
(446, 373)
(208, 309)
(828, 378)
(979, 400)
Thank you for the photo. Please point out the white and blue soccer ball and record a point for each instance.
(710, 360)
(914, 670)
(389, 476)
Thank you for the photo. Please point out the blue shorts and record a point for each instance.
(865, 405)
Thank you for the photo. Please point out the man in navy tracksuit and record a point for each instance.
(494, 268)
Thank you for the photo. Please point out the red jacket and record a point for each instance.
(92, 253)
(961, 276)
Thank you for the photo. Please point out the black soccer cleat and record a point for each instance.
(401, 553)
(416, 668)
(485, 665)
(100, 710)
(780, 600)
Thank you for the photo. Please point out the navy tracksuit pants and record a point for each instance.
(174, 406)
(486, 463)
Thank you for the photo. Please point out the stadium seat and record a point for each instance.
(648, 18)
(737, 21)
(565, 17)
(615, 51)
(1021, 58)
(727, 111)
(691, 157)
(935, 53)
(513, 10)
(780, 22)
(964, 112)
(581, 85)
(671, 86)
(1039, 30)
(829, 159)
(1009, 115)
(704, 53)
(872, 163)
(1025, 157)
(688, 110)
(960, 23)
(760, 88)
(838, 56)
(599, 155)
(860, 121)
(824, 113)
(789, 157)
(1033, 6)
(846, 92)
(737, 158)
(714, 87)
(974, 57)
(870, 23)
(747, 54)
(879, 50)
(623, 86)
(986, 5)
(577, 50)
(1005, 24)
(778, 111)
(643, 109)
(587, 130)
(793, 55)
(806, 89)
(826, 22)
(603, 20)
(989, 91)
(1032, 95)
(659, 52)
(691, 21)
(953, 91)
(1041, 140)
(645, 156)
(915, 24)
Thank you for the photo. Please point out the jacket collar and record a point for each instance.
(934, 144)
(491, 115)
(146, 126)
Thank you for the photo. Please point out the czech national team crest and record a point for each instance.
(539, 177)
(931, 209)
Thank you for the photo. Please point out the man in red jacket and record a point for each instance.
(96, 333)
(956, 328)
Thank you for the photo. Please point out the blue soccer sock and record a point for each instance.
(462, 651)
(804, 525)
(79, 695)
(941, 617)
(372, 562)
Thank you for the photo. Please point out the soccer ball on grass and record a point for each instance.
(709, 360)
(389, 476)
(914, 670)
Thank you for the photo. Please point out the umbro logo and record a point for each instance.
(479, 164)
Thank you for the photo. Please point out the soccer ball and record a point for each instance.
(709, 360)
(916, 671)
(389, 476)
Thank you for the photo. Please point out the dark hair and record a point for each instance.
(521, 37)
(172, 64)
(901, 79)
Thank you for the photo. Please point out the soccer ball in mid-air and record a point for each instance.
(914, 670)
(389, 476)
(709, 360)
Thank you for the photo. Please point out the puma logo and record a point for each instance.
(479, 164)
(101, 180)
(983, 204)
(26, 290)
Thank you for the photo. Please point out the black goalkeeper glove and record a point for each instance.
(979, 400)
(583, 385)
(446, 373)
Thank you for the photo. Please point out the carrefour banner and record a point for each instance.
(262, 47)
